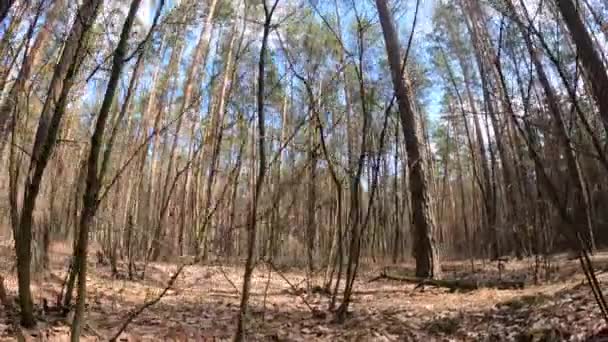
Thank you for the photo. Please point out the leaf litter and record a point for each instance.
(203, 306)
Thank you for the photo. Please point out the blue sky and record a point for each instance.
(423, 27)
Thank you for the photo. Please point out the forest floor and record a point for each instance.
(203, 305)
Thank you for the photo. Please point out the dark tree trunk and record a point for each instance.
(258, 180)
(589, 56)
(582, 213)
(425, 251)
(5, 6)
(44, 143)
(94, 176)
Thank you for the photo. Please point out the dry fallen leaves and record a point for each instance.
(203, 306)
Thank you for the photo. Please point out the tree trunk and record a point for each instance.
(258, 181)
(397, 252)
(425, 251)
(589, 56)
(214, 138)
(489, 80)
(15, 97)
(195, 73)
(93, 178)
(311, 186)
(582, 212)
(489, 216)
(155, 194)
(46, 136)
(4, 7)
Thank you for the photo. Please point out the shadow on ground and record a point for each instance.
(204, 305)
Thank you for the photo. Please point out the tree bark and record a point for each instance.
(582, 212)
(93, 176)
(489, 81)
(19, 89)
(311, 197)
(489, 217)
(589, 56)
(5, 6)
(259, 179)
(194, 74)
(425, 251)
(214, 137)
(46, 136)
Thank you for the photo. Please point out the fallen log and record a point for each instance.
(454, 284)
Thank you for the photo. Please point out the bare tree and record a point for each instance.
(259, 179)
(590, 58)
(46, 137)
(94, 175)
(427, 262)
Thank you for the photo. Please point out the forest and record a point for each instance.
(303, 170)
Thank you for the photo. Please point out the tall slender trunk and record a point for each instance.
(214, 136)
(93, 176)
(258, 180)
(276, 233)
(589, 56)
(311, 197)
(155, 195)
(488, 75)
(397, 246)
(465, 221)
(582, 212)
(338, 243)
(489, 217)
(354, 212)
(425, 251)
(149, 121)
(44, 143)
(230, 240)
(194, 75)
(19, 89)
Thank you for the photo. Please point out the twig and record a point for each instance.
(89, 327)
(266, 292)
(314, 311)
(148, 304)
(229, 280)
(26, 152)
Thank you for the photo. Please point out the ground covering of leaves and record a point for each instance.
(203, 306)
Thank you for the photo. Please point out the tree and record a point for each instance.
(590, 59)
(45, 140)
(425, 251)
(446, 18)
(94, 176)
(196, 66)
(5, 6)
(582, 211)
(268, 134)
(256, 190)
(11, 104)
